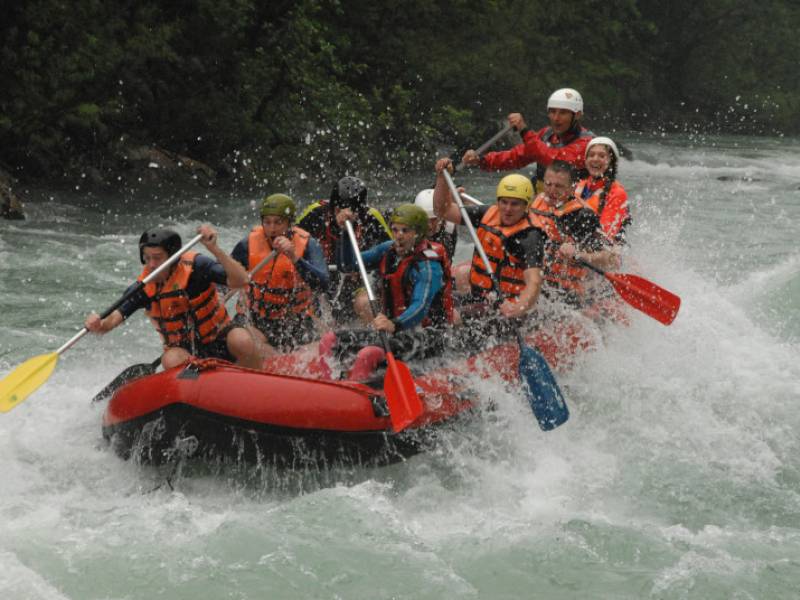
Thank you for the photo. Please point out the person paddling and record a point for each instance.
(514, 246)
(183, 303)
(574, 236)
(324, 220)
(563, 139)
(415, 296)
(279, 301)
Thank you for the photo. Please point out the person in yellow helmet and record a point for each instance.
(512, 243)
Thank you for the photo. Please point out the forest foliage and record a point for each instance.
(355, 84)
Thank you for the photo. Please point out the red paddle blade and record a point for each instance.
(646, 296)
(405, 405)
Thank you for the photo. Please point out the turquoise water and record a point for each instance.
(677, 476)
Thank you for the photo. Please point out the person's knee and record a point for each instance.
(240, 342)
(173, 357)
(362, 307)
(461, 277)
(367, 360)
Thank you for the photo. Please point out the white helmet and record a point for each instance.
(425, 201)
(566, 98)
(606, 141)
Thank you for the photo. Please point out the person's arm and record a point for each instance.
(372, 257)
(444, 206)
(241, 252)
(528, 248)
(530, 150)
(527, 297)
(95, 324)
(615, 216)
(312, 266)
(590, 243)
(236, 276)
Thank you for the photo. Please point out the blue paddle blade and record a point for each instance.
(544, 395)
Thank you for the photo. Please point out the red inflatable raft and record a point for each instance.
(288, 416)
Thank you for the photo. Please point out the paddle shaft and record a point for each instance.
(373, 302)
(139, 285)
(472, 233)
(478, 246)
(253, 271)
(483, 148)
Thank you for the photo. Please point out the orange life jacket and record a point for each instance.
(560, 271)
(176, 316)
(509, 270)
(277, 289)
(397, 288)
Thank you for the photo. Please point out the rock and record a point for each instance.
(743, 178)
(10, 206)
(155, 164)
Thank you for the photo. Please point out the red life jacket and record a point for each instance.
(509, 270)
(176, 316)
(397, 288)
(611, 202)
(277, 289)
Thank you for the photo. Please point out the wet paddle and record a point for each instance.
(643, 295)
(488, 144)
(402, 399)
(543, 393)
(142, 369)
(25, 379)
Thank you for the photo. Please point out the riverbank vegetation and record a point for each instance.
(255, 87)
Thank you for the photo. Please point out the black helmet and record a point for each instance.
(349, 192)
(164, 238)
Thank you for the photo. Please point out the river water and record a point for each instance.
(677, 476)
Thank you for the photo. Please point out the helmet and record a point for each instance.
(159, 237)
(413, 216)
(606, 141)
(566, 98)
(515, 186)
(349, 192)
(279, 205)
(425, 201)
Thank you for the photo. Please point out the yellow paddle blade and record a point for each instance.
(23, 381)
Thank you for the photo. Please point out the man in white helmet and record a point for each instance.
(563, 139)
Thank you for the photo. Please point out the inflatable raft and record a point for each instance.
(289, 416)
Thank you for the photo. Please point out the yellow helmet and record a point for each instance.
(515, 186)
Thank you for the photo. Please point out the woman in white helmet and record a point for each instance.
(563, 139)
(601, 191)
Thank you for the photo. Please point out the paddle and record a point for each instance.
(404, 404)
(142, 369)
(544, 395)
(26, 378)
(488, 144)
(643, 295)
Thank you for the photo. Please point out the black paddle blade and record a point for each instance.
(544, 394)
(129, 374)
